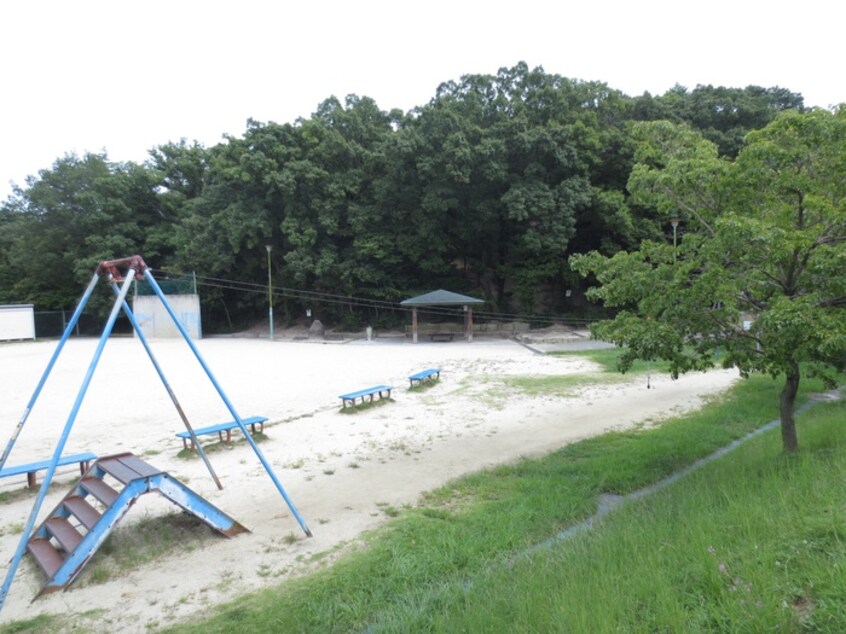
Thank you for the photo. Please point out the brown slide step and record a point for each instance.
(64, 532)
(126, 467)
(45, 555)
(82, 510)
(100, 490)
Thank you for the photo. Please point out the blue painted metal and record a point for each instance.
(154, 285)
(367, 392)
(431, 374)
(60, 446)
(71, 325)
(128, 311)
(252, 421)
(185, 498)
(370, 391)
(76, 560)
(43, 464)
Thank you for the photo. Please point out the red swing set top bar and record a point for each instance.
(114, 267)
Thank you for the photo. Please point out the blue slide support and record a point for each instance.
(168, 487)
(149, 277)
(60, 446)
(196, 443)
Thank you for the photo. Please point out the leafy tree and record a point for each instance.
(504, 173)
(305, 189)
(81, 211)
(488, 188)
(721, 114)
(757, 276)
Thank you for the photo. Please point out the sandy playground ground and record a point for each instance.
(342, 471)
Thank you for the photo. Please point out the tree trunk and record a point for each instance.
(789, 441)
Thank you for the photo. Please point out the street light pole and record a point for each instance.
(269, 291)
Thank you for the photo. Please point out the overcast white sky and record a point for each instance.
(124, 75)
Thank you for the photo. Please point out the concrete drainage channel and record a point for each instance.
(608, 502)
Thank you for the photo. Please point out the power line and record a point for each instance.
(363, 302)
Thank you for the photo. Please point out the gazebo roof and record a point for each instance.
(441, 298)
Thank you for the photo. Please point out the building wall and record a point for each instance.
(155, 323)
(17, 321)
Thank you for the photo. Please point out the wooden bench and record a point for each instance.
(256, 424)
(431, 374)
(442, 336)
(366, 395)
(84, 459)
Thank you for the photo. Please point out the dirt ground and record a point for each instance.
(342, 471)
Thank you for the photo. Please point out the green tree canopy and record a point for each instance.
(83, 210)
(488, 189)
(758, 273)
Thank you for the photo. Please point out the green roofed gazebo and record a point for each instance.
(443, 298)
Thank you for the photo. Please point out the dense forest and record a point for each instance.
(488, 189)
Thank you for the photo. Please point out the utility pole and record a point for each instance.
(269, 290)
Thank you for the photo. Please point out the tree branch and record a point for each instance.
(834, 301)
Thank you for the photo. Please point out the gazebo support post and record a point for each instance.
(414, 325)
(469, 323)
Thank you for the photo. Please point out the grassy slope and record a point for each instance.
(752, 543)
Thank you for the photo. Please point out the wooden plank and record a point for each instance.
(428, 374)
(100, 490)
(45, 555)
(214, 429)
(40, 465)
(140, 467)
(64, 532)
(118, 470)
(206, 431)
(82, 510)
(365, 392)
(441, 336)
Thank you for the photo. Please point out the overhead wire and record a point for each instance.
(363, 302)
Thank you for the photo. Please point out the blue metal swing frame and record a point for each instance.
(125, 270)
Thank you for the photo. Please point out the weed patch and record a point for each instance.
(361, 407)
(221, 445)
(609, 358)
(36, 625)
(133, 546)
(422, 386)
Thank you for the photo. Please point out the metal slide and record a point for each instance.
(78, 526)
